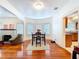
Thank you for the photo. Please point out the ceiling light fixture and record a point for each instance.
(38, 5)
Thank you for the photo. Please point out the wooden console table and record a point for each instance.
(68, 39)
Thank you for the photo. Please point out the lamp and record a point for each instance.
(38, 5)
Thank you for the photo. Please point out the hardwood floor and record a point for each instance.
(20, 52)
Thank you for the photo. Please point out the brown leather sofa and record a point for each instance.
(13, 40)
(16, 40)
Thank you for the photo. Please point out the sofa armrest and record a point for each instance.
(13, 38)
(16, 40)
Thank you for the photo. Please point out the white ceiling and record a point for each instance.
(5, 13)
(25, 7)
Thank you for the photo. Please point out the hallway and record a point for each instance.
(20, 52)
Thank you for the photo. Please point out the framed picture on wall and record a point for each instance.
(11, 26)
(5, 26)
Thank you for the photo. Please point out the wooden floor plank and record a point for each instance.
(20, 52)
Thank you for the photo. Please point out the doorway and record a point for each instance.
(71, 30)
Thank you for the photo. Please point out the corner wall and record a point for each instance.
(9, 20)
(58, 33)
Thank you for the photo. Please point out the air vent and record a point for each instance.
(55, 8)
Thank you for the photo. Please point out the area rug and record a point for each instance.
(42, 47)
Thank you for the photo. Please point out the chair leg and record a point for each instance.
(40, 42)
(44, 42)
(36, 43)
(32, 42)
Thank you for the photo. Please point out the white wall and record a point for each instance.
(70, 7)
(58, 22)
(9, 20)
(58, 34)
(13, 20)
(37, 21)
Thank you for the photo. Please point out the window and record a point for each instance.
(30, 28)
(19, 28)
(46, 28)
